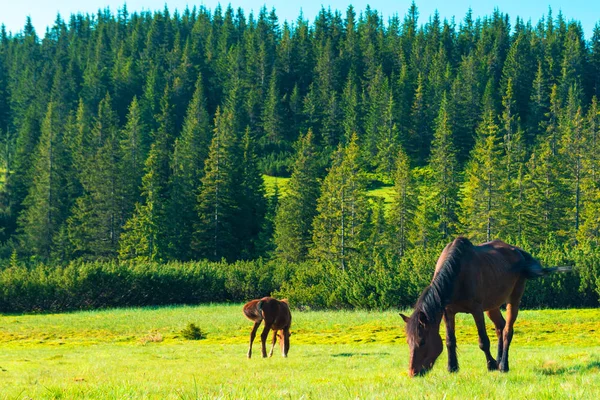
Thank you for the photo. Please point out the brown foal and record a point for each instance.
(277, 316)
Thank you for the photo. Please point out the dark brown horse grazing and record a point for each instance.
(470, 279)
(277, 316)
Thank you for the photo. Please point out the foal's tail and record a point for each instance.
(253, 310)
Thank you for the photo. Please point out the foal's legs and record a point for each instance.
(273, 344)
(484, 340)
(263, 338)
(252, 336)
(496, 317)
(451, 341)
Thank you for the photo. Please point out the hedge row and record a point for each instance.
(383, 283)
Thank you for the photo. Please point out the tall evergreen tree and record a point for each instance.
(45, 205)
(481, 195)
(590, 227)
(190, 153)
(445, 172)
(403, 205)
(97, 218)
(572, 155)
(251, 202)
(147, 233)
(134, 139)
(297, 209)
(218, 207)
(342, 209)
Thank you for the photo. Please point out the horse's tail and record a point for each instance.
(552, 270)
(253, 310)
(533, 269)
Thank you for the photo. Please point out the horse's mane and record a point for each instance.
(436, 296)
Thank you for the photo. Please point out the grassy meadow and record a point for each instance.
(140, 353)
(376, 189)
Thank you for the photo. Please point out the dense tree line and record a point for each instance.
(145, 136)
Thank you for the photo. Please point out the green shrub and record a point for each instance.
(192, 332)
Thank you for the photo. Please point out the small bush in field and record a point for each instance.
(192, 332)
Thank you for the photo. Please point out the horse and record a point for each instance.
(470, 279)
(277, 316)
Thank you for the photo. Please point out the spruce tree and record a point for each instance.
(97, 218)
(445, 172)
(148, 232)
(297, 209)
(218, 207)
(45, 205)
(481, 194)
(342, 210)
(134, 138)
(189, 156)
(401, 220)
(590, 227)
(251, 201)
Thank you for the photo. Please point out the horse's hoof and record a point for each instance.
(249, 355)
(453, 368)
(503, 368)
(492, 366)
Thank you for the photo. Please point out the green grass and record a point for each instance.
(140, 353)
(377, 190)
(272, 181)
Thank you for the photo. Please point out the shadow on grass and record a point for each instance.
(360, 354)
(570, 370)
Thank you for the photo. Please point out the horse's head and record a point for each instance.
(424, 342)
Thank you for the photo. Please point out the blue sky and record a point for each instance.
(43, 12)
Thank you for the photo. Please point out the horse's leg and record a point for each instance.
(512, 310)
(496, 317)
(274, 341)
(263, 338)
(449, 319)
(286, 341)
(252, 336)
(484, 340)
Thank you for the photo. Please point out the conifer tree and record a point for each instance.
(590, 228)
(349, 106)
(297, 209)
(218, 207)
(481, 194)
(189, 156)
(45, 205)
(403, 205)
(133, 155)
(419, 132)
(445, 172)
(388, 140)
(538, 106)
(97, 218)
(572, 152)
(251, 201)
(148, 232)
(19, 179)
(342, 209)
(272, 126)
(513, 159)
